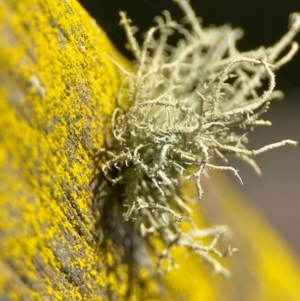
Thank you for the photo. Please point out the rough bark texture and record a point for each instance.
(62, 234)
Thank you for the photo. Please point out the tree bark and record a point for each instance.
(62, 233)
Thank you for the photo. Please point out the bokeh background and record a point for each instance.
(277, 192)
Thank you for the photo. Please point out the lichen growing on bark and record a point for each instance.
(185, 103)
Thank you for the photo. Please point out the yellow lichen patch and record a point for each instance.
(62, 233)
(193, 280)
(58, 89)
(263, 268)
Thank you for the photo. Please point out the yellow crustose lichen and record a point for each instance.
(184, 103)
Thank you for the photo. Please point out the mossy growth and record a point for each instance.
(185, 102)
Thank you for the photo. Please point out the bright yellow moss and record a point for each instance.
(55, 72)
(58, 91)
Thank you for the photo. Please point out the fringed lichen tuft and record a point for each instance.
(184, 102)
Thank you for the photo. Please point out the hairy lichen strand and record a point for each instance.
(182, 112)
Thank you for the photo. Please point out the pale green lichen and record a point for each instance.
(184, 102)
